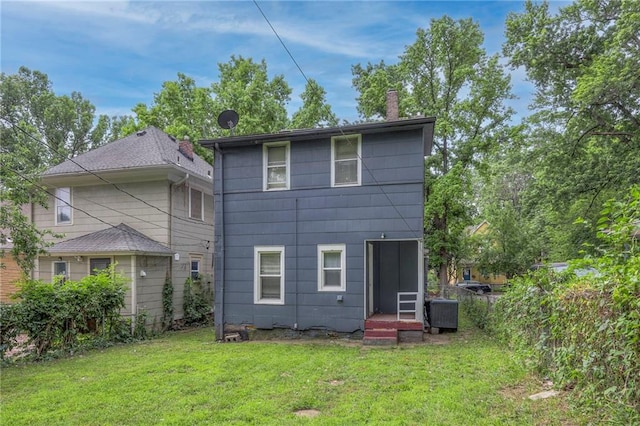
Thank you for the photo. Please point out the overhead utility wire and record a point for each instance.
(42, 188)
(281, 42)
(339, 127)
(95, 174)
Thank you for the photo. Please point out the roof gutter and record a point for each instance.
(219, 245)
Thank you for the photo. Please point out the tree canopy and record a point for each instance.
(445, 73)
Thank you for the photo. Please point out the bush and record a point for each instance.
(9, 327)
(585, 331)
(197, 303)
(54, 315)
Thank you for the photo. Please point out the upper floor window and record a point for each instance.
(332, 268)
(269, 275)
(196, 205)
(275, 166)
(63, 206)
(346, 167)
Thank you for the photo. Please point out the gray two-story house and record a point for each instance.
(320, 228)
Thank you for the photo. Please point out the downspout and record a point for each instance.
(295, 242)
(170, 237)
(219, 296)
(134, 294)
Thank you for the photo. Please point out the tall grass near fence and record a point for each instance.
(584, 332)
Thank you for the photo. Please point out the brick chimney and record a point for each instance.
(392, 105)
(185, 148)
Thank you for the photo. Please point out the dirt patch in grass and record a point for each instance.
(307, 413)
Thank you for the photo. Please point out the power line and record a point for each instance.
(53, 151)
(339, 127)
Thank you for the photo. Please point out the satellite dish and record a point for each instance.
(228, 119)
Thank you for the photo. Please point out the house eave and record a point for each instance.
(425, 123)
(169, 172)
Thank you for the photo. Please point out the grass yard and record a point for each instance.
(182, 378)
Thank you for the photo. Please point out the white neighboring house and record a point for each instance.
(144, 202)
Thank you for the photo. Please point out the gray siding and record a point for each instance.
(389, 201)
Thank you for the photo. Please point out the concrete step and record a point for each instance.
(376, 337)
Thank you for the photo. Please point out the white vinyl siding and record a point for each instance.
(269, 275)
(63, 206)
(196, 206)
(346, 164)
(276, 166)
(332, 267)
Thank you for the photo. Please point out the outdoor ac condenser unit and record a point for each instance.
(443, 313)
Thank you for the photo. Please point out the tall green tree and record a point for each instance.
(315, 111)
(38, 129)
(445, 73)
(58, 127)
(585, 134)
(181, 109)
(245, 87)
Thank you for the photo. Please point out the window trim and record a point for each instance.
(58, 203)
(53, 270)
(265, 165)
(201, 218)
(98, 257)
(325, 248)
(256, 275)
(195, 258)
(358, 160)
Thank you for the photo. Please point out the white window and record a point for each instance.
(97, 264)
(196, 205)
(332, 267)
(275, 160)
(63, 206)
(346, 167)
(60, 271)
(269, 275)
(195, 267)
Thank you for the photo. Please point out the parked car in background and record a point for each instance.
(560, 267)
(475, 286)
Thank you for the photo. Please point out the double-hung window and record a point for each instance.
(196, 206)
(269, 275)
(63, 206)
(60, 271)
(346, 154)
(275, 160)
(332, 267)
(195, 267)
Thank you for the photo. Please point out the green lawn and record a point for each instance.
(181, 378)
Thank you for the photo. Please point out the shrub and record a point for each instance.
(9, 327)
(54, 315)
(585, 331)
(167, 303)
(197, 302)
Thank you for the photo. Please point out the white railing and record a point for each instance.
(407, 304)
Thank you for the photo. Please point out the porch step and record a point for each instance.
(380, 336)
(391, 325)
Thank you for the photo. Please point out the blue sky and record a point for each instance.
(118, 54)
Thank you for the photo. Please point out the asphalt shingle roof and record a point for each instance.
(150, 147)
(120, 239)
